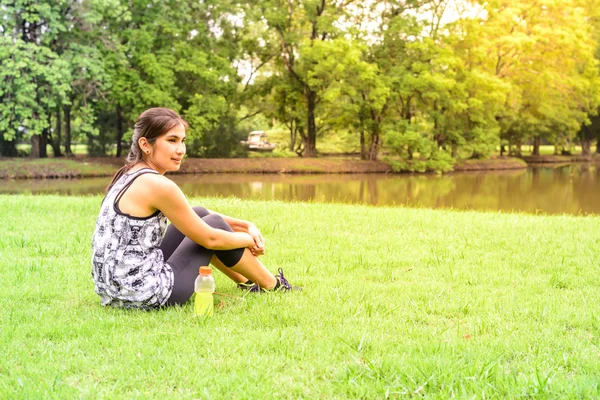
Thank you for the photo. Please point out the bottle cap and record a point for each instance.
(205, 270)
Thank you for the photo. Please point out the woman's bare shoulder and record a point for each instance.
(158, 183)
(161, 193)
(157, 191)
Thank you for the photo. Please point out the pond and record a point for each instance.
(571, 189)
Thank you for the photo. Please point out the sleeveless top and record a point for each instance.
(127, 266)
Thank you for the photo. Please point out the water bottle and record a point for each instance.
(204, 286)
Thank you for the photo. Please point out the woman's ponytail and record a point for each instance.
(122, 171)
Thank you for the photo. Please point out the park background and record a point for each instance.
(398, 301)
(423, 84)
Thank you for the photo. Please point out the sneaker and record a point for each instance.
(282, 285)
(246, 285)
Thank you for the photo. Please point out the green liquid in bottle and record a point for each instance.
(203, 304)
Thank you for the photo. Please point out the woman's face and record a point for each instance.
(168, 150)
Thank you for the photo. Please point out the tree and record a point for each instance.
(175, 54)
(525, 43)
(32, 75)
(354, 91)
(591, 129)
(292, 29)
(284, 104)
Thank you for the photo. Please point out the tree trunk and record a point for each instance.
(90, 144)
(293, 134)
(310, 149)
(586, 135)
(57, 135)
(300, 147)
(586, 147)
(518, 145)
(35, 146)
(363, 146)
(374, 148)
(536, 146)
(44, 143)
(598, 146)
(8, 148)
(102, 139)
(68, 151)
(440, 139)
(119, 131)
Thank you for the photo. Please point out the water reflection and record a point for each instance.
(573, 189)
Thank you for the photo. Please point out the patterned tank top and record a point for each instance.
(127, 266)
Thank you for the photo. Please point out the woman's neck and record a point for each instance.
(141, 165)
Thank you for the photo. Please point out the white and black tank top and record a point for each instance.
(127, 265)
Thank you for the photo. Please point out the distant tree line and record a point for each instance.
(432, 80)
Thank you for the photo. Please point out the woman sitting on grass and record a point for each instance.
(134, 266)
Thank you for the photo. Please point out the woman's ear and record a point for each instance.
(144, 145)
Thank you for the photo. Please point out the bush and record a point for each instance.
(439, 162)
(412, 140)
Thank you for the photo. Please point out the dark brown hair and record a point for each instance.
(151, 124)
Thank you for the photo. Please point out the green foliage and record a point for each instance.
(546, 54)
(410, 77)
(417, 150)
(439, 162)
(221, 140)
(410, 140)
(31, 76)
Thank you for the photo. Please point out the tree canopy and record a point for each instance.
(431, 81)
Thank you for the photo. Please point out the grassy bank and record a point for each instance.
(552, 159)
(548, 150)
(22, 168)
(500, 163)
(396, 303)
(18, 168)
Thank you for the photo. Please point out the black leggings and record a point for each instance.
(185, 256)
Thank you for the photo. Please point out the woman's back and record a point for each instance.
(127, 266)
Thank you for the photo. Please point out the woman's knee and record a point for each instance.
(200, 211)
(217, 222)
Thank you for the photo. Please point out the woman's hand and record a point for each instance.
(259, 241)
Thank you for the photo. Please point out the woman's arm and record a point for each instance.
(166, 196)
(240, 225)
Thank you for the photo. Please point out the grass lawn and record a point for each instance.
(397, 302)
(51, 167)
(78, 149)
(548, 150)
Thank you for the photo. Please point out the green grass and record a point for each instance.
(78, 149)
(548, 150)
(397, 303)
(51, 167)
